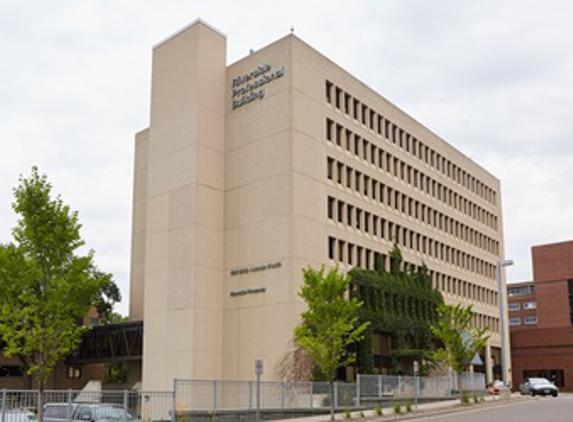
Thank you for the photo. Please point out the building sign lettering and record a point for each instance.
(256, 268)
(249, 87)
(236, 293)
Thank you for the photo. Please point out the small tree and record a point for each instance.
(461, 340)
(45, 287)
(329, 325)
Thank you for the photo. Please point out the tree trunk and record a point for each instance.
(40, 401)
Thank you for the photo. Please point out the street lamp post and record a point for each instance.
(501, 294)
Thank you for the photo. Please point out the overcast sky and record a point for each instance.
(493, 77)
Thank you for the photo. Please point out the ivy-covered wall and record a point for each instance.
(401, 304)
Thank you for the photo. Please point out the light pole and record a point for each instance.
(501, 294)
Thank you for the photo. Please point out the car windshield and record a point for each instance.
(539, 381)
(110, 412)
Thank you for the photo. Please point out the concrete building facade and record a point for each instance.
(541, 317)
(250, 172)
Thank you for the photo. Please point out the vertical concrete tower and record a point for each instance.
(179, 189)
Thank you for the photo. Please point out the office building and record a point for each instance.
(251, 171)
(541, 318)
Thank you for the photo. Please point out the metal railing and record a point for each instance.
(215, 395)
(387, 387)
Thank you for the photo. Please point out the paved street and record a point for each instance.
(541, 409)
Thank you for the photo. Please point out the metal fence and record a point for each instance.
(22, 405)
(213, 395)
(386, 387)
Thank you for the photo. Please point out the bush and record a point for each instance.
(347, 414)
(476, 399)
(378, 410)
(362, 415)
(408, 406)
(465, 398)
(397, 407)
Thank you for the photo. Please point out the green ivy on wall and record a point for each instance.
(400, 303)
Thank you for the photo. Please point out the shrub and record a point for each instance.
(347, 414)
(465, 398)
(408, 406)
(378, 410)
(397, 407)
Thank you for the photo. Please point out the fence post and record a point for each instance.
(69, 410)
(358, 388)
(174, 403)
(380, 387)
(3, 403)
(214, 394)
(399, 387)
(282, 394)
(416, 389)
(335, 393)
(311, 393)
(250, 394)
(125, 400)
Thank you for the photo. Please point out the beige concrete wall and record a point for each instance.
(258, 218)
(185, 200)
(139, 222)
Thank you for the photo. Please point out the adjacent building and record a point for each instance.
(251, 171)
(541, 317)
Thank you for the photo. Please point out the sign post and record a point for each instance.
(258, 372)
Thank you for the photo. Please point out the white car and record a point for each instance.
(538, 386)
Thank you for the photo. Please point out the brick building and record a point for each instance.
(541, 318)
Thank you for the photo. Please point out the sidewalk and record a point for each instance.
(424, 410)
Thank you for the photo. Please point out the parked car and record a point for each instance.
(92, 412)
(18, 415)
(541, 386)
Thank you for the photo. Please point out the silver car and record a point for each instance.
(538, 386)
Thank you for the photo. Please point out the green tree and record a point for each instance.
(460, 339)
(330, 323)
(46, 287)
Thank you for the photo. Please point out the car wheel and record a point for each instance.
(532, 393)
(555, 394)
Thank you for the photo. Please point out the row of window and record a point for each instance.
(359, 256)
(380, 125)
(356, 255)
(352, 216)
(375, 190)
(521, 291)
(528, 320)
(384, 161)
(517, 306)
